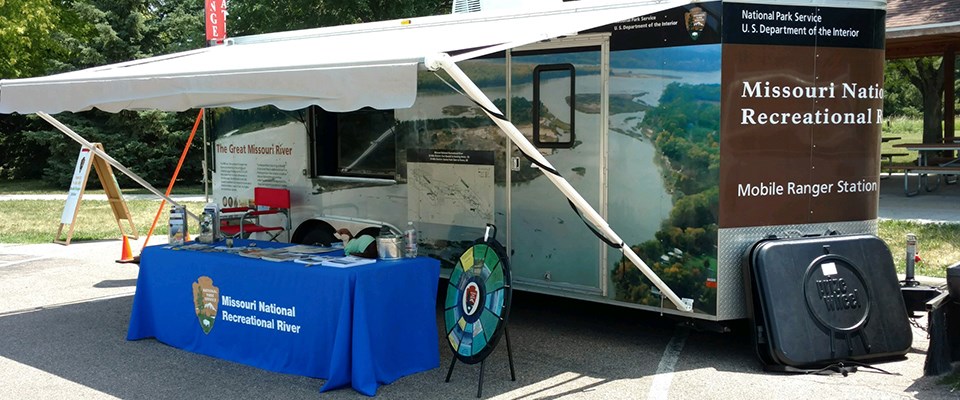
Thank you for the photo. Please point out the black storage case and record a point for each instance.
(816, 301)
(953, 282)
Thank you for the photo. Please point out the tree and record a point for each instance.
(926, 74)
(248, 17)
(27, 48)
(900, 97)
(26, 41)
(97, 32)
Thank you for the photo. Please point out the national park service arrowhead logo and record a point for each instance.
(695, 20)
(206, 297)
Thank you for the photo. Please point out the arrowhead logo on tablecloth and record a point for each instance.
(205, 300)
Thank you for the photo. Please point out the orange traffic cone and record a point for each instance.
(126, 256)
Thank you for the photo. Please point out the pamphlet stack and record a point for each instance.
(178, 225)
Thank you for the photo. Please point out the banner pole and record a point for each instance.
(173, 179)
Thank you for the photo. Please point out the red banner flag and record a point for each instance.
(216, 20)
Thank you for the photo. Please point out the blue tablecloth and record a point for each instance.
(363, 326)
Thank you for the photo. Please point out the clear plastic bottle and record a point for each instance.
(410, 241)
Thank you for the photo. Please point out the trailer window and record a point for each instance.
(553, 127)
(358, 143)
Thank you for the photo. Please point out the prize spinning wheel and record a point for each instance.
(477, 304)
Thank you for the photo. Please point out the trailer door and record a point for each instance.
(550, 247)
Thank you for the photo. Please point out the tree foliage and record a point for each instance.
(915, 88)
(900, 97)
(250, 17)
(28, 47)
(27, 42)
(926, 74)
(39, 37)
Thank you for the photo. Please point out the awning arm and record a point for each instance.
(443, 61)
(79, 139)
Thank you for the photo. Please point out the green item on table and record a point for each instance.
(358, 245)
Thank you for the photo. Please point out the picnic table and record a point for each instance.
(887, 157)
(927, 165)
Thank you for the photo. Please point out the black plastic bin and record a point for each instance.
(953, 282)
(816, 301)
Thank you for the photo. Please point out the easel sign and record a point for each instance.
(111, 188)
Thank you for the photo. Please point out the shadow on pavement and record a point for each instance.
(561, 347)
(556, 343)
(115, 283)
(85, 343)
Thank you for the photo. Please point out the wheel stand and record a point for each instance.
(513, 375)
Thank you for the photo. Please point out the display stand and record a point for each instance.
(111, 188)
(477, 305)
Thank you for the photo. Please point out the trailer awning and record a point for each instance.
(339, 68)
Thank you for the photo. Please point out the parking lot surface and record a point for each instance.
(64, 314)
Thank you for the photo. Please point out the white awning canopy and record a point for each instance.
(339, 68)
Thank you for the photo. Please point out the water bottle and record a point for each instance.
(410, 241)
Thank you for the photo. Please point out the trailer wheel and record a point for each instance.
(318, 234)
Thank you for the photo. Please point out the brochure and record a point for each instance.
(347, 261)
(282, 256)
(257, 253)
(229, 249)
(315, 260)
(195, 247)
(307, 249)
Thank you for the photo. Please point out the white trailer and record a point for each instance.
(681, 132)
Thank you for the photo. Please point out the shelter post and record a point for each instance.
(949, 94)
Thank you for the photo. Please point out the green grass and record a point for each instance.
(952, 380)
(37, 221)
(910, 130)
(36, 186)
(936, 245)
(29, 187)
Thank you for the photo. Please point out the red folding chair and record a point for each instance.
(277, 201)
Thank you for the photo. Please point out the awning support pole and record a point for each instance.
(443, 61)
(79, 139)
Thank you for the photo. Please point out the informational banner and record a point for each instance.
(450, 187)
(111, 189)
(270, 157)
(216, 20)
(802, 107)
(80, 173)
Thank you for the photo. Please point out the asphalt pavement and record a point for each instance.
(64, 312)
(939, 205)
